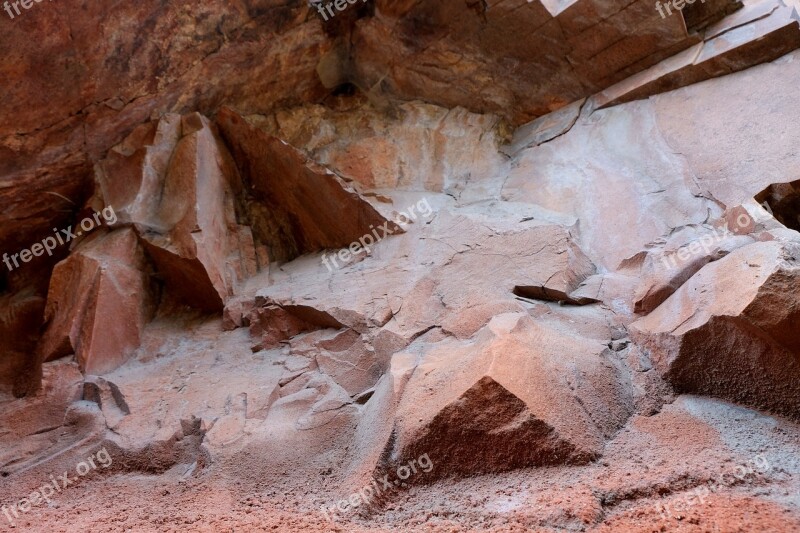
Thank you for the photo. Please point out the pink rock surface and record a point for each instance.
(587, 323)
(730, 331)
(518, 394)
(174, 181)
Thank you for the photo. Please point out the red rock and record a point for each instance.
(175, 183)
(578, 47)
(310, 208)
(352, 362)
(82, 82)
(98, 304)
(132, 175)
(491, 335)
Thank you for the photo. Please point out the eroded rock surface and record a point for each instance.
(519, 394)
(731, 330)
(586, 323)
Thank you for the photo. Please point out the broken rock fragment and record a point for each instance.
(308, 207)
(274, 324)
(666, 268)
(731, 330)
(98, 303)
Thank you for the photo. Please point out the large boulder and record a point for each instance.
(731, 330)
(176, 183)
(523, 392)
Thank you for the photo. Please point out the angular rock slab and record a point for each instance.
(175, 182)
(519, 394)
(488, 263)
(683, 255)
(731, 331)
(729, 47)
(308, 207)
(452, 53)
(98, 303)
(132, 175)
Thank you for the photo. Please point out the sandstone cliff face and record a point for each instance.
(476, 243)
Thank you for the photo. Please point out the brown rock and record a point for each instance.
(274, 324)
(731, 330)
(352, 362)
(755, 37)
(308, 207)
(108, 398)
(78, 84)
(579, 48)
(132, 176)
(20, 321)
(519, 394)
(98, 304)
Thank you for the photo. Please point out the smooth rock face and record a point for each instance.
(590, 173)
(98, 303)
(762, 32)
(731, 330)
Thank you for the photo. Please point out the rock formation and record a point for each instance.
(400, 265)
